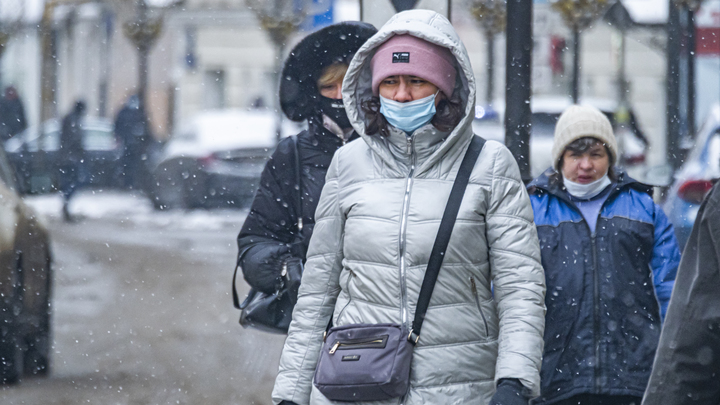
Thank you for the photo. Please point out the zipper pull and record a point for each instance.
(472, 285)
(335, 346)
(409, 144)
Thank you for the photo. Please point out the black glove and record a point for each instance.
(262, 266)
(287, 403)
(509, 392)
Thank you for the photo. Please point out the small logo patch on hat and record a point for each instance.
(401, 57)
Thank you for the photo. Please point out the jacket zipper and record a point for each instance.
(596, 283)
(477, 302)
(596, 321)
(377, 342)
(403, 230)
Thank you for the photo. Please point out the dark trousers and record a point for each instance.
(133, 166)
(72, 177)
(590, 399)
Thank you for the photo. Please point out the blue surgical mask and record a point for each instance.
(408, 116)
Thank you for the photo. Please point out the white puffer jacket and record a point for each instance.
(375, 225)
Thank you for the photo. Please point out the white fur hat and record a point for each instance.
(580, 121)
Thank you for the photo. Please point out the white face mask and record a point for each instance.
(586, 191)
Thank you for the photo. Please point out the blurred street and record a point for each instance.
(142, 311)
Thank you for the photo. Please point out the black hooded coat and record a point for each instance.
(269, 235)
(687, 362)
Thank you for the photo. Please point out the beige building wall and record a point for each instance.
(235, 62)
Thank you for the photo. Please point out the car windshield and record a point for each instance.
(6, 172)
(49, 142)
(98, 139)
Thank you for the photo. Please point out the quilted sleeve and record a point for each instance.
(316, 300)
(517, 274)
(265, 240)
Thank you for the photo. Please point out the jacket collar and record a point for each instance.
(547, 183)
(322, 137)
(423, 142)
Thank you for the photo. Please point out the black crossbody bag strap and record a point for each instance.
(236, 299)
(298, 184)
(443, 236)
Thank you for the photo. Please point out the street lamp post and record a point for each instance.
(672, 112)
(518, 68)
(690, 7)
(491, 15)
(578, 15)
(143, 32)
(280, 19)
(674, 152)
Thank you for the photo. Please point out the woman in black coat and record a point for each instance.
(309, 90)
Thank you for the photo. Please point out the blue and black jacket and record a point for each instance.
(606, 291)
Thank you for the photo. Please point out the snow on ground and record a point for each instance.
(132, 207)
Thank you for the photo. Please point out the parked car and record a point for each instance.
(25, 284)
(34, 155)
(489, 123)
(695, 177)
(215, 159)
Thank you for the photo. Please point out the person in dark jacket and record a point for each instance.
(687, 363)
(131, 129)
(12, 114)
(71, 155)
(610, 258)
(309, 91)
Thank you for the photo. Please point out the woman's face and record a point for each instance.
(332, 90)
(330, 82)
(405, 88)
(586, 167)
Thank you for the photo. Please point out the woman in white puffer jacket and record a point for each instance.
(410, 94)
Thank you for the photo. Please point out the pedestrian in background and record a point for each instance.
(73, 172)
(12, 114)
(687, 363)
(309, 91)
(610, 258)
(132, 130)
(378, 217)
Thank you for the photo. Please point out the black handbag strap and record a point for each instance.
(236, 299)
(443, 236)
(299, 213)
(298, 184)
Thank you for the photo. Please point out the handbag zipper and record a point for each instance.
(365, 343)
(477, 302)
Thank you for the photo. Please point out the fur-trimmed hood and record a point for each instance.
(332, 44)
(357, 86)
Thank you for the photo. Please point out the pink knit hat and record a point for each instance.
(409, 55)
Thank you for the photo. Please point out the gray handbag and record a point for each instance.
(371, 362)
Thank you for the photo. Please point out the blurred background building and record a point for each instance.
(214, 54)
